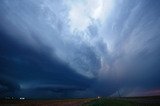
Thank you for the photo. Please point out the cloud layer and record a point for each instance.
(79, 48)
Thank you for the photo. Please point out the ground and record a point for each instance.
(130, 101)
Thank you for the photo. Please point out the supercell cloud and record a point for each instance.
(83, 48)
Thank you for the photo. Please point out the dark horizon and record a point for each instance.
(78, 49)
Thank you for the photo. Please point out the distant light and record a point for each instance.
(98, 97)
(21, 98)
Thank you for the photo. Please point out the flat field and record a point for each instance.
(130, 101)
(125, 101)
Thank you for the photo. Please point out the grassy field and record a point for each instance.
(134, 101)
(108, 102)
(130, 101)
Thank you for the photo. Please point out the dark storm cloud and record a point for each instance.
(35, 71)
(79, 48)
(52, 91)
(8, 85)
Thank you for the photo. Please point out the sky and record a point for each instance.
(79, 48)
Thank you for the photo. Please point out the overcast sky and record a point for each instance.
(79, 48)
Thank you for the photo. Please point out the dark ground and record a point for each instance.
(125, 101)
